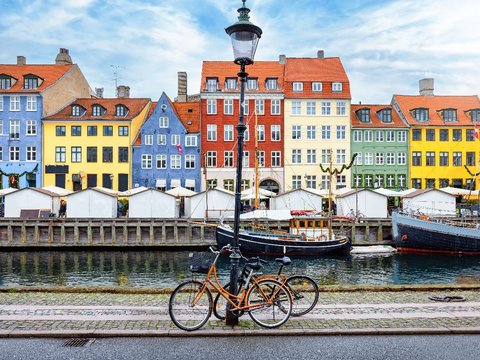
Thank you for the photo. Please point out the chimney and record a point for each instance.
(21, 60)
(63, 58)
(123, 91)
(99, 92)
(426, 87)
(182, 86)
(282, 58)
(320, 54)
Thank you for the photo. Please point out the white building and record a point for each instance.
(298, 199)
(432, 202)
(152, 203)
(29, 202)
(221, 203)
(92, 203)
(367, 202)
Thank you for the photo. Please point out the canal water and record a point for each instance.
(158, 269)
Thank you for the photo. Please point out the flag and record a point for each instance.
(475, 131)
(179, 148)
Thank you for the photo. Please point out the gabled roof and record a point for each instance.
(134, 106)
(48, 73)
(353, 191)
(435, 104)
(424, 191)
(189, 114)
(375, 120)
(261, 70)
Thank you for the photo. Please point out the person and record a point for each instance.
(63, 209)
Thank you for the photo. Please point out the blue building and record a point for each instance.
(27, 94)
(166, 151)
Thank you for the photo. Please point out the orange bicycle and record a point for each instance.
(267, 301)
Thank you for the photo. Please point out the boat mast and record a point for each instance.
(330, 196)
(256, 163)
(207, 185)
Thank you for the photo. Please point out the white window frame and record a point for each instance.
(161, 161)
(379, 158)
(368, 158)
(228, 107)
(227, 132)
(341, 156)
(175, 139)
(260, 106)
(296, 181)
(191, 141)
(297, 86)
(274, 107)
(296, 132)
(246, 159)
(31, 103)
(358, 159)
(357, 135)
(296, 156)
(1, 102)
(260, 132)
(31, 128)
(190, 161)
(326, 156)
(390, 136)
(296, 108)
(163, 122)
(390, 158)
(246, 107)
(401, 158)
(276, 158)
(379, 136)
(326, 107)
(211, 132)
(341, 108)
(311, 132)
(31, 153)
(148, 139)
(316, 86)
(261, 158)
(228, 159)
(14, 103)
(161, 139)
(311, 107)
(275, 132)
(146, 161)
(326, 132)
(211, 106)
(341, 132)
(14, 129)
(14, 153)
(368, 136)
(402, 136)
(337, 87)
(311, 156)
(175, 162)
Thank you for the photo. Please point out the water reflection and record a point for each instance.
(166, 269)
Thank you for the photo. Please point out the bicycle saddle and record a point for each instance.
(254, 265)
(285, 260)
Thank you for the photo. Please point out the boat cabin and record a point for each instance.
(315, 228)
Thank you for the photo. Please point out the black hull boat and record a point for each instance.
(421, 234)
(276, 244)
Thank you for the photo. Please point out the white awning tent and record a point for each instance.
(132, 191)
(6, 191)
(298, 199)
(368, 202)
(267, 214)
(57, 190)
(190, 183)
(457, 192)
(432, 202)
(31, 199)
(152, 203)
(92, 203)
(161, 183)
(221, 203)
(180, 192)
(387, 192)
(175, 183)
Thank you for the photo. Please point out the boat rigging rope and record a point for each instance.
(447, 298)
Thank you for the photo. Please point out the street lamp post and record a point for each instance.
(245, 36)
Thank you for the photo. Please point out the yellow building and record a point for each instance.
(442, 137)
(88, 143)
(317, 122)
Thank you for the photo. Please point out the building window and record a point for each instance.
(296, 107)
(363, 115)
(311, 181)
(296, 181)
(163, 122)
(252, 84)
(31, 103)
(31, 127)
(123, 154)
(449, 115)
(261, 132)
(390, 158)
(337, 87)
(275, 107)
(386, 116)
(368, 158)
(246, 159)
(14, 103)
(401, 158)
(358, 158)
(390, 135)
(296, 132)
(228, 159)
(430, 134)
(108, 131)
(379, 136)
(212, 183)
(97, 110)
(261, 158)
(76, 110)
(390, 181)
(175, 139)
(470, 135)
(341, 132)
(443, 134)
(161, 161)
(1, 128)
(175, 162)
(275, 132)
(228, 184)
(357, 181)
(246, 134)
(326, 134)
(457, 159)
(341, 156)
(474, 115)
(326, 107)
(1, 103)
(30, 83)
(420, 114)
(60, 154)
(271, 84)
(231, 83)
(146, 161)
(148, 139)
(91, 154)
(211, 132)
(190, 161)
(31, 153)
(341, 108)
(228, 107)
(161, 139)
(357, 135)
(326, 156)
(211, 159)
(443, 183)
(402, 136)
(379, 158)
(123, 131)
(378, 181)
(311, 132)
(443, 158)
(416, 158)
(76, 131)
(402, 181)
(417, 183)
(311, 107)
(297, 86)
(311, 156)
(76, 153)
(276, 158)
(107, 156)
(190, 141)
(260, 106)
(296, 156)
(5, 82)
(470, 159)
(212, 84)
(121, 110)
(417, 135)
(92, 130)
(325, 184)
(15, 153)
(316, 86)
(246, 107)
(457, 135)
(430, 158)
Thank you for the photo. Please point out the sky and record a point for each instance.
(386, 46)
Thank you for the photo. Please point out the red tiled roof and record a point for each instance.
(435, 104)
(189, 115)
(134, 106)
(48, 73)
(375, 120)
(261, 70)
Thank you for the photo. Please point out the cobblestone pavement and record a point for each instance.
(98, 314)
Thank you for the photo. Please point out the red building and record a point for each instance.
(220, 108)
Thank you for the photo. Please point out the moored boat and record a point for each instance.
(422, 234)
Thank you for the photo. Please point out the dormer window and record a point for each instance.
(363, 115)
(30, 82)
(121, 110)
(212, 84)
(449, 115)
(475, 115)
(231, 84)
(385, 115)
(77, 110)
(420, 114)
(271, 84)
(98, 110)
(252, 84)
(297, 86)
(5, 82)
(337, 87)
(316, 86)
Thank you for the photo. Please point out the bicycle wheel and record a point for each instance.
(304, 293)
(187, 308)
(220, 305)
(272, 301)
